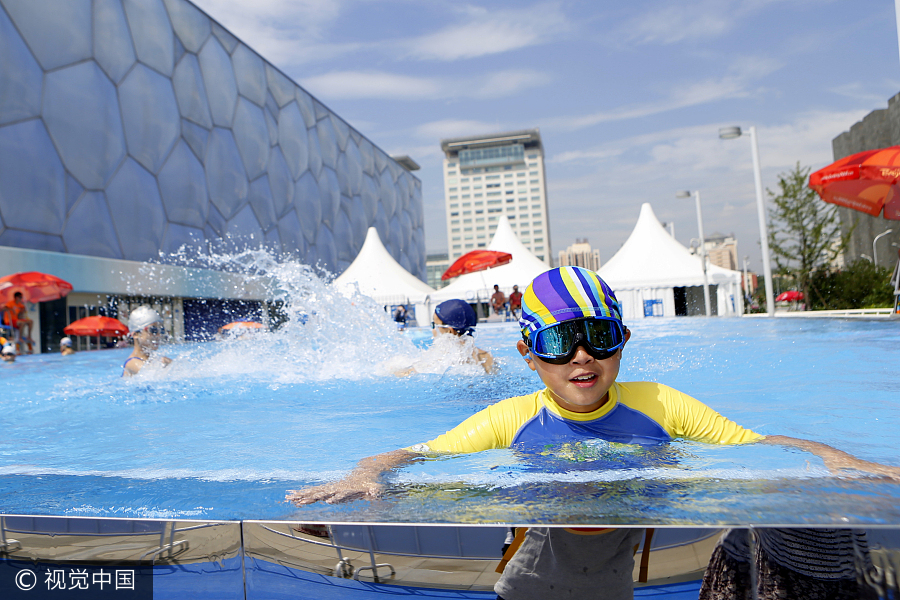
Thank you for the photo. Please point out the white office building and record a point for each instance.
(488, 176)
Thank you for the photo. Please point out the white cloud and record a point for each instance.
(392, 86)
(736, 83)
(679, 22)
(491, 32)
(284, 32)
(373, 84)
(449, 128)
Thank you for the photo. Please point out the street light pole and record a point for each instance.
(874, 249)
(696, 194)
(728, 133)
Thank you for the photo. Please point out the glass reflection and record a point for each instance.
(289, 559)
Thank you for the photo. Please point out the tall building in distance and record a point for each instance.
(722, 251)
(580, 254)
(487, 176)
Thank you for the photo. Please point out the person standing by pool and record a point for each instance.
(146, 329)
(573, 338)
(15, 315)
(65, 346)
(498, 300)
(456, 318)
(515, 302)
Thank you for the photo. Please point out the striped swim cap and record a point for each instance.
(564, 294)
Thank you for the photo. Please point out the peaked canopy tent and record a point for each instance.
(478, 287)
(377, 275)
(652, 270)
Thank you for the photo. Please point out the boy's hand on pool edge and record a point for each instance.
(362, 483)
(835, 460)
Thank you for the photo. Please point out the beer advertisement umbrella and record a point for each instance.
(35, 287)
(476, 260)
(865, 181)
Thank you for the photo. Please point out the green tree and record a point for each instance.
(858, 285)
(804, 231)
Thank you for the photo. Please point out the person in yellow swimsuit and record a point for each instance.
(573, 338)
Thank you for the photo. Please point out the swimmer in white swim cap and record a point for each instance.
(147, 331)
(8, 353)
(65, 346)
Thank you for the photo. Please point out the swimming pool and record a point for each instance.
(232, 425)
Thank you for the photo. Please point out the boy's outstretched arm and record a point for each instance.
(836, 460)
(362, 482)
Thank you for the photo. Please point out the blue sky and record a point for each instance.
(629, 96)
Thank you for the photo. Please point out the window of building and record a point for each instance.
(479, 195)
(457, 246)
(454, 197)
(492, 220)
(451, 164)
(507, 175)
(465, 188)
(466, 196)
(454, 230)
(510, 217)
(533, 181)
(494, 210)
(535, 189)
(535, 215)
(454, 214)
(522, 174)
(470, 246)
(479, 211)
(456, 238)
(538, 231)
(492, 177)
(532, 156)
(465, 180)
(467, 229)
(467, 220)
(510, 200)
(532, 164)
(481, 244)
(455, 205)
(508, 192)
(465, 204)
(492, 185)
(538, 241)
(493, 193)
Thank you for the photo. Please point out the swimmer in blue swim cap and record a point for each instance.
(573, 337)
(456, 318)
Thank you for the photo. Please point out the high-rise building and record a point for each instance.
(580, 254)
(487, 176)
(722, 251)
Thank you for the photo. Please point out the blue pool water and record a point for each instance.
(231, 425)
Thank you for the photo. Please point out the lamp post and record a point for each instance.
(696, 194)
(729, 133)
(874, 249)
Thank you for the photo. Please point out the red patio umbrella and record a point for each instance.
(35, 287)
(96, 326)
(789, 296)
(866, 181)
(476, 260)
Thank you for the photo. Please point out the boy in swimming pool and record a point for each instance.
(573, 338)
(146, 329)
(456, 318)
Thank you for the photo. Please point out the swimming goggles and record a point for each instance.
(556, 344)
(155, 330)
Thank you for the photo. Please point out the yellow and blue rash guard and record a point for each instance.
(643, 413)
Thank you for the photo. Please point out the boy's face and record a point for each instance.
(580, 385)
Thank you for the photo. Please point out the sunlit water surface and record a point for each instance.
(231, 425)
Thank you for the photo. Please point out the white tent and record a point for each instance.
(651, 264)
(478, 287)
(377, 275)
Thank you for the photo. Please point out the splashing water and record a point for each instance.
(327, 335)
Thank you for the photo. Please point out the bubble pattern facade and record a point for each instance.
(130, 127)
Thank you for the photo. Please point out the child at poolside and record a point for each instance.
(146, 329)
(572, 337)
